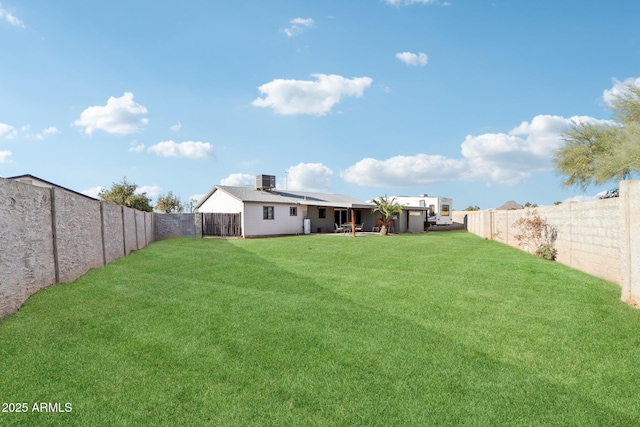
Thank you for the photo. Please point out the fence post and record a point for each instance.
(630, 256)
(54, 235)
(104, 249)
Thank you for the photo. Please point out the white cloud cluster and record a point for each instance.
(134, 147)
(399, 171)
(4, 156)
(120, 116)
(176, 127)
(239, 180)
(288, 97)
(7, 131)
(93, 191)
(51, 130)
(618, 88)
(314, 177)
(187, 149)
(415, 59)
(151, 191)
(298, 25)
(7, 16)
(503, 158)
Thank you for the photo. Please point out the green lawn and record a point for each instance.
(432, 329)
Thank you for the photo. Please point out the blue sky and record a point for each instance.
(462, 98)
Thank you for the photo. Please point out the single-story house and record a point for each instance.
(266, 211)
(39, 182)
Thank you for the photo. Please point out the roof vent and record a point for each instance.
(265, 182)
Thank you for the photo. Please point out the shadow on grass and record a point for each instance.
(208, 332)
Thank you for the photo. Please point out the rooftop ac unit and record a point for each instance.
(265, 182)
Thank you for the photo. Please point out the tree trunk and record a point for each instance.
(383, 230)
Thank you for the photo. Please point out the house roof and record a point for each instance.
(27, 178)
(248, 194)
(510, 205)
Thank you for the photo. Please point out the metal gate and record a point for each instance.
(221, 224)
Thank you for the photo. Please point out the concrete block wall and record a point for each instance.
(113, 229)
(630, 254)
(27, 262)
(600, 237)
(167, 226)
(51, 235)
(78, 234)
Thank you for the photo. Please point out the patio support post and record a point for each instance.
(353, 223)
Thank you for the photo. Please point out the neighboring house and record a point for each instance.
(266, 211)
(39, 182)
(510, 206)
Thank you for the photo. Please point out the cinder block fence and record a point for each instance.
(600, 237)
(49, 235)
(52, 236)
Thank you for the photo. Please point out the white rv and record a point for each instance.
(440, 209)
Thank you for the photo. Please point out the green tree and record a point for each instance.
(169, 203)
(596, 154)
(123, 193)
(387, 209)
(473, 208)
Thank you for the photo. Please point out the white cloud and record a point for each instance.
(7, 16)
(313, 177)
(609, 95)
(399, 171)
(176, 127)
(583, 198)
(93, 191)
(120, 116)
(51, 130)
(503, 158)
(298, 25)
(188, 149)
(4, 156)
(409, 2)
(239, 180)
(7, 131)
(416, 59)
(152, 191)
(135, 147)
(288, 97)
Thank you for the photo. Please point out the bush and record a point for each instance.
(537, 236)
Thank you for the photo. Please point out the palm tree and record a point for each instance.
(387, 209)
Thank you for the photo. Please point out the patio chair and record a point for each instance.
(359, 227)
(377, 226)
(338, 228)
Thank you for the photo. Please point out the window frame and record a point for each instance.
(268, 213)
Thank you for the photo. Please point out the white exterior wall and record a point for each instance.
(283, 223)
(221, 202)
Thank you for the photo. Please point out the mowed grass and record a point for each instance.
(432, 329)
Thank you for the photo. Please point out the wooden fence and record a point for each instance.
(221, 224)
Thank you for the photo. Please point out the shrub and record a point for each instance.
(537, 236)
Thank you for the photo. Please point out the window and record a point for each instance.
(445, 210)
(293, 211)
(322, 212)
(267, 212)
